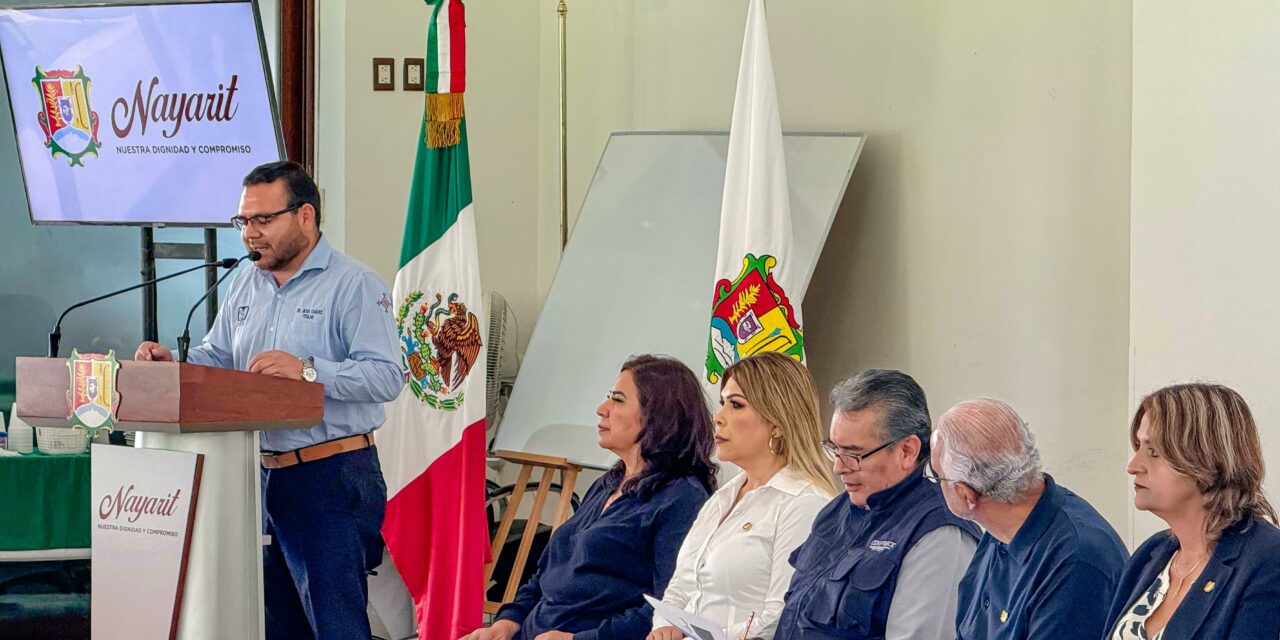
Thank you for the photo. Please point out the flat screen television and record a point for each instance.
(138, 114)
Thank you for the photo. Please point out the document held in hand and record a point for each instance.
(693, 626)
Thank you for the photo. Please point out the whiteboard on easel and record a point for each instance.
(638, 272)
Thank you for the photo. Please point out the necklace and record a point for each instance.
(1183, 579)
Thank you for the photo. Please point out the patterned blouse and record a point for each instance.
(1133, 625)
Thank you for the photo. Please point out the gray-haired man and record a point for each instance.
(883, 561)
(1048, 564)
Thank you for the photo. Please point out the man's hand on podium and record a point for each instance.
(277, 363)
(153, 351)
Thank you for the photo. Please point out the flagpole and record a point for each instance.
(562, 11)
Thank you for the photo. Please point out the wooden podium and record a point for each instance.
(211, 411)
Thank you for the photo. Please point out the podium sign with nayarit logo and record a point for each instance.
(143, 503)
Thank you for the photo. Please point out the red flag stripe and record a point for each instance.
(457, 48)
(436, 531)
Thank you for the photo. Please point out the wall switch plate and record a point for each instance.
(414, 68)
(384, 74)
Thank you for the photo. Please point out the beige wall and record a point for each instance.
(1206, 147)
(366, 139)
(983, 245)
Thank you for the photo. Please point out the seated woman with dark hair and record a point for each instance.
(622, 542)
(1197, 464)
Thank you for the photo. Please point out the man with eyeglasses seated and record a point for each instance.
(308, 312)
(883, 561)
(1049, 563)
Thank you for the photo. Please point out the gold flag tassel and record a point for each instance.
(443, 119)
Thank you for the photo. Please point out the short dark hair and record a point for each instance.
(676, 437)
(906, 411)
(302, 189)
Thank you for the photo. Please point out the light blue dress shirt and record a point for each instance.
(333, 309)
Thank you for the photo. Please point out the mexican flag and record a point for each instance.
(751, 307)
(432, 447)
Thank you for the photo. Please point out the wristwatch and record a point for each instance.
(309, 369)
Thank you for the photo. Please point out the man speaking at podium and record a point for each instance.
(310, 313)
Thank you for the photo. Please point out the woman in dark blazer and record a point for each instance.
(622, 542)
(1215, 573)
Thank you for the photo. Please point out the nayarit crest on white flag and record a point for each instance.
(752, 306)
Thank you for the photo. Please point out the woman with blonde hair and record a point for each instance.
(1197, 463)
(733, 567)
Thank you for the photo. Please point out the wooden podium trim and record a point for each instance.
(170, 397)
(186, 547)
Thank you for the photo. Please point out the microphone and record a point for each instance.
(55, 336)
(184, 340)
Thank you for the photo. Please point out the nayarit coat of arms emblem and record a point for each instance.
(751, 314)
(92, 398)
(70, 126)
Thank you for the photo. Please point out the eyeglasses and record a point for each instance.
(853, 461)
(260, 221)
(932, 476)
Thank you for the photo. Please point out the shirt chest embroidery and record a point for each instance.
(242, 314)
(310, 313)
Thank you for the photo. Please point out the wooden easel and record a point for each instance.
(528, 462)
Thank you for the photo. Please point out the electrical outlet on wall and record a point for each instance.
(384, 74)
(413, 70)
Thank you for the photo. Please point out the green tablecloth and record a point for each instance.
(44, 502)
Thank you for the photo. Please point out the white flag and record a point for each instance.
(756, 280)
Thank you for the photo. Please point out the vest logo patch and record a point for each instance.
(882, 545)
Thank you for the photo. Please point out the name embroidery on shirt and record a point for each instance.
(310, 314)
(882, 545)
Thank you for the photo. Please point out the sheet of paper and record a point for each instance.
(694, 626)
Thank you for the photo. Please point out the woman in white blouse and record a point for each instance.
(733, 566)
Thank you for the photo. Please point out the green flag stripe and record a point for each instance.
(441, 190)
(432, 84)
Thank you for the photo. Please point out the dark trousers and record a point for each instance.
(325, 521)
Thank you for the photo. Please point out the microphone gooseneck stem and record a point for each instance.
(55, 336)
(184, 340)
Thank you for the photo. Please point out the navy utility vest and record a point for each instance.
(847, 570)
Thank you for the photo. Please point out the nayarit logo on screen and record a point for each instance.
(175, 108)
(70, 126)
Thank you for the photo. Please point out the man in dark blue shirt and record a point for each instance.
(1048, 564)
(883, 560)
